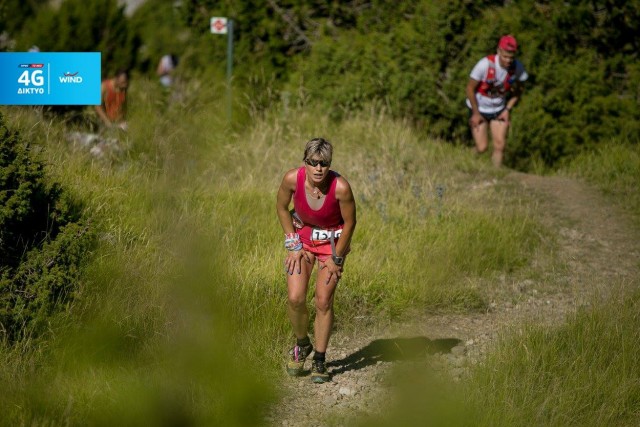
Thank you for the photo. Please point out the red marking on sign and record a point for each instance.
(218, 25)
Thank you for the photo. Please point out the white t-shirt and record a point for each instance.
(487, 104)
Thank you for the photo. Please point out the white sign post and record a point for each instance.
(222, 25)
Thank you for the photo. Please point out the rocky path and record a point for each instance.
(597, 242)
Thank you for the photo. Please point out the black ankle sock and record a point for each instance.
(319, 356)
(303, 342)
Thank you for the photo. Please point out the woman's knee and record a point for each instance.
(297, 301)
(323, 304)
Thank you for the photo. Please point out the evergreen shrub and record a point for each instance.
(581, 58)
(84, 26)
(43, 241)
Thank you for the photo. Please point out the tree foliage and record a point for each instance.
(84, 26)
(43, 241)
(160, 31)
(581, 55)
(13, 14)
(412, 58)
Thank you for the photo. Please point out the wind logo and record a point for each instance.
(70, 77)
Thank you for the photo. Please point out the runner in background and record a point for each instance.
(113, 107)
(165, 69)
(495, 86)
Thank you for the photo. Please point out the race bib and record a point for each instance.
(318, 234)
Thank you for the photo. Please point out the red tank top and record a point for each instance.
(329, 215)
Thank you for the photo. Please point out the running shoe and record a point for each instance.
(319, 373)
(299, 354)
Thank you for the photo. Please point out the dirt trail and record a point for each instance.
(598, 242)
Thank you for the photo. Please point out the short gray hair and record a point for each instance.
(319, 146)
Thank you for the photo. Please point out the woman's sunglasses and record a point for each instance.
(314, 163)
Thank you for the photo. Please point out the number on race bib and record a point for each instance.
(319, 234)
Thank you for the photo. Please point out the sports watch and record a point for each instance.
(337, 260)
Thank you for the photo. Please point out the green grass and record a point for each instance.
(614, 168)
(581, 373)
(584, 373)
(184, 298)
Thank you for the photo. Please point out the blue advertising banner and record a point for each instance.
(50, 78)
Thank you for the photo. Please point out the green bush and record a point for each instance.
(411, 59)
(416, 63)
(42, 241)
(416, 67)
(157, 40)
(556, 122)
(83, 26)
(13, 14)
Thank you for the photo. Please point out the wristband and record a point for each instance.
(292, 242)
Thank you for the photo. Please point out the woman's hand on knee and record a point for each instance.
(293, 262)
(332, 270)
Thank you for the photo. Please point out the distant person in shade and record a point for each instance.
(495, 86)
(165, 69)
(113, 107)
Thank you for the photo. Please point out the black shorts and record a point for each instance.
(488, 116)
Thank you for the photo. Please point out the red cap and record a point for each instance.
(508, 42)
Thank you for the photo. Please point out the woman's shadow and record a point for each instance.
(393, 349)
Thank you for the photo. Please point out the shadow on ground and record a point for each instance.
(390, 350)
